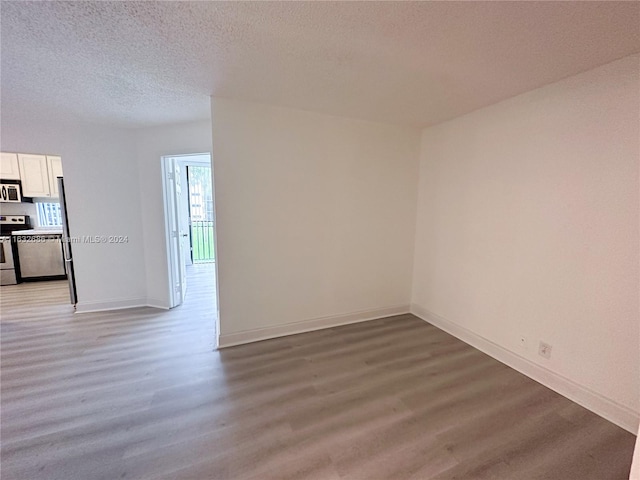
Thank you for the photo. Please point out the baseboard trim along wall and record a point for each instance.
(609, 409)
(255, 335)
(88, 307)
(152, 302)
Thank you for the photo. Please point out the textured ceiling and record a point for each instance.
(148, 63)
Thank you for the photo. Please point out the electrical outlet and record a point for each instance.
(544, 350)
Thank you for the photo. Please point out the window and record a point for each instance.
(49, 214)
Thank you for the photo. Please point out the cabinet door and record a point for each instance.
(9, 166)
(34, 175)
(54, 168)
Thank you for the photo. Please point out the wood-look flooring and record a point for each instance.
(142, 394)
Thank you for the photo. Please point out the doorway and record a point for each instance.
(197, 209)
(36, 262)
(189, 222)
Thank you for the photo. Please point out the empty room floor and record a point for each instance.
(142, 394)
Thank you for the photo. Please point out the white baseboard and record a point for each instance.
(609, 409)
(119, 304)
(255, 335)
(154, 303)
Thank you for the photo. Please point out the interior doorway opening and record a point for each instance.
(190, 227)
(199, 210)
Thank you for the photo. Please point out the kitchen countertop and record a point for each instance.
(38, 231)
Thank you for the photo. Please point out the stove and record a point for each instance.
(11, 223)
(8, 250)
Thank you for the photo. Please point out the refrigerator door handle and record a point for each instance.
(66, 253)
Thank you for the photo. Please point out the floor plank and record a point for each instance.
(142, 394)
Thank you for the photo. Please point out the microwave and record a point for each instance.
(10, 192)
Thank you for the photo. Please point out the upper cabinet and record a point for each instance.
(38, 173)
(9, 166)
(54, 169)
(34, 174)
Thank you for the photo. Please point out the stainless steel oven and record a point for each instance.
(7, 267)
(9, 224)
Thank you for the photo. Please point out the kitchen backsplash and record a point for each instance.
(20, 209)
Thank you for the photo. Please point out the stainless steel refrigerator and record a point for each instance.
(66, 243)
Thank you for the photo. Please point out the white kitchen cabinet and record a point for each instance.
(9, 169)
(54, 170)
(34, 174)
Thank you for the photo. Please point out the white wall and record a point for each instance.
(114, 186)
(528, 226)
(21, 208)
(315, 218)
(103, 199)
(152, 144)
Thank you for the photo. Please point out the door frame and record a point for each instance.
(166, 166)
